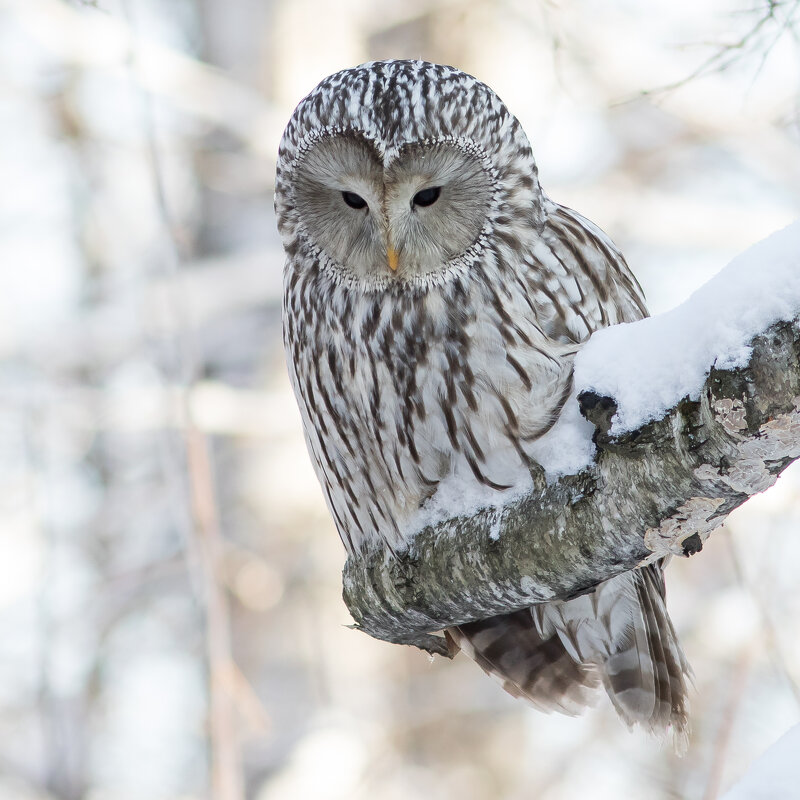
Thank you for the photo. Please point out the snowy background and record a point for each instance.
(170, 611)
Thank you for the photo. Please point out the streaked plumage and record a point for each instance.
(432, 340)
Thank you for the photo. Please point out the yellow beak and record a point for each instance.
(391, 256)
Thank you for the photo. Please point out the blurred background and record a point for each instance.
(171, 626)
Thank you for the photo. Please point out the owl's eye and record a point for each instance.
(354, 200)
(427, 197)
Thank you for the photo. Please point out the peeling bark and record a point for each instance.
(658, 490)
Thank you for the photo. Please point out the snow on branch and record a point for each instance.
(775, 774)
(689, 414)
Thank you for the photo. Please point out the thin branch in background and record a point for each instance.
(771, 634)
(57, 778)
(722, 740)
(726, 55)
(787, 25)
(226, 775)
(226, 763)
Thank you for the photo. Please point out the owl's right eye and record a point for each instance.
(354, 200)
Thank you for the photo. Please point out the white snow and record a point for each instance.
(775, 775)
(648, 366)
(460, 495)
(567, 447)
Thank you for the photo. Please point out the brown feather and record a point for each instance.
(509, 648)
(620, 636)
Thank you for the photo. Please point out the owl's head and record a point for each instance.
(401, 171)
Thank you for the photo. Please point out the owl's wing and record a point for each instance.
(580, 279)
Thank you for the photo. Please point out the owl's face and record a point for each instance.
(403, 172)
(405, 213)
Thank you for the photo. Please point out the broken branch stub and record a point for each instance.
(657, 490)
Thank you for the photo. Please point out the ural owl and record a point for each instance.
(434, 301)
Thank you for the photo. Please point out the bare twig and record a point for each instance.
(226, 761)
(726, 55)
(771, 634)
(723, 738)
(226, 771)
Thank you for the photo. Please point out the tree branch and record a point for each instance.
(651, 492)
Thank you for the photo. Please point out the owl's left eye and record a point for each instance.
(427, 197)
(354, 200)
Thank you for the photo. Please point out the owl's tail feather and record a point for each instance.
(647, 681)
(619, 636)
(511, 649)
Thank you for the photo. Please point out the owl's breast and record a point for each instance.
(400, 390)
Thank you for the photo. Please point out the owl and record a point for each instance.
(434, 301)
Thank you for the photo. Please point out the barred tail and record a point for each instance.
(511, 649)
(619, 636)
